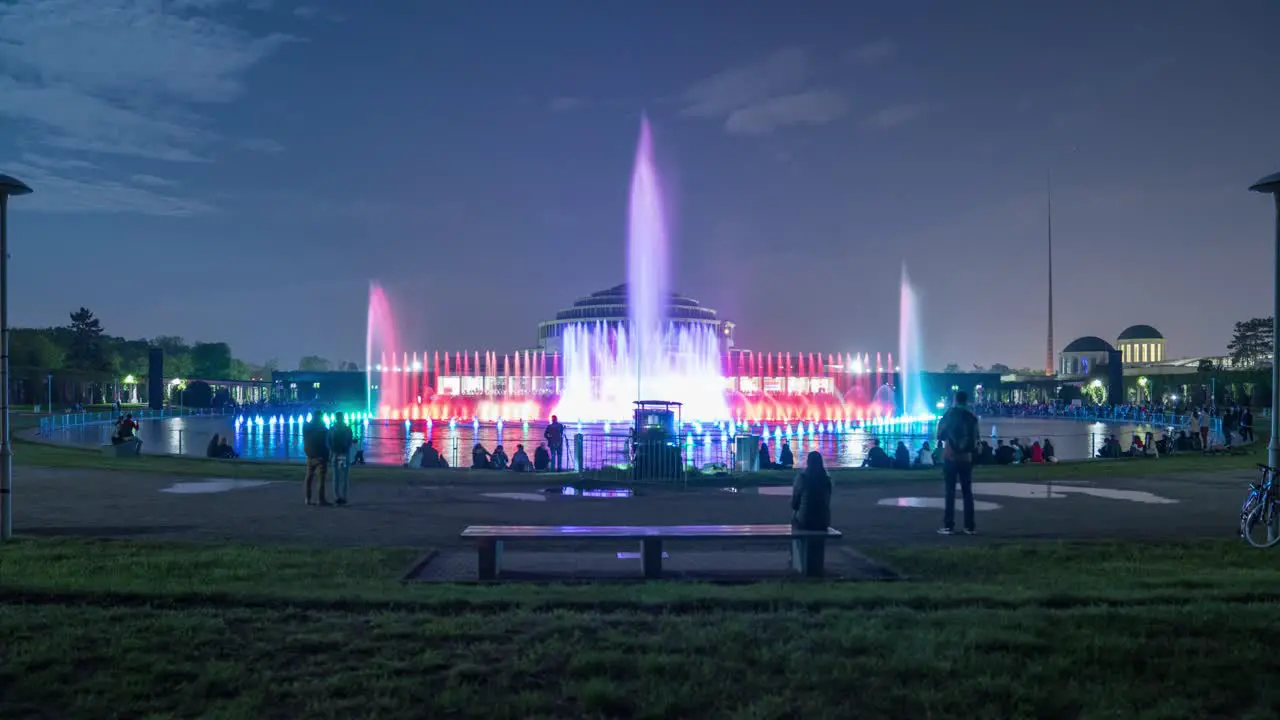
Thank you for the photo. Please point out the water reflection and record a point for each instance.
(933, 503)
(393, 443)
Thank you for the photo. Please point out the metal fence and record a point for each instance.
(66, 421)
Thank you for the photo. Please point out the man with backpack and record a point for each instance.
(340, 441)
(958, 431)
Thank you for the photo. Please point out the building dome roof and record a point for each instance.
(611, 304)
(1139, 332)
(1088, 343)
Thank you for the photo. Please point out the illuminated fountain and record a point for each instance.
(608, 365)
(909, 356)
(648, 353)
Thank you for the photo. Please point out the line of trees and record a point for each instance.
(88, 364)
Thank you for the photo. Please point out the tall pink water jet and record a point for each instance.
(381, 339)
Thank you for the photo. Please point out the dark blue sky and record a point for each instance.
(239, 170)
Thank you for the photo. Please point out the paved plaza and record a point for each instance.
(430, 513)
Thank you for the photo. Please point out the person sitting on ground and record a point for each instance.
(901, 457)
(520, 460)
(225, 451)
(480, 458)
(785, 459)
(1019, 452)
(1136, 447)
(1183, 443)
(499, 458)
(359, 458)
(985, 455)
(876, 456)
(924, 456)
(541, 458)
(211, 450)
(128, 434)
(1048, 451)
(1004, 453)
(1037, 453)
(766, 457)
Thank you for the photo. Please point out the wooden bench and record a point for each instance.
(808, 547)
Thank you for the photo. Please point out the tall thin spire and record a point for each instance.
(1048, 353)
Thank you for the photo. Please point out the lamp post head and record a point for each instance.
(1269, 184)
(10, 185)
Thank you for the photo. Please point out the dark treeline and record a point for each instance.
(90, 366)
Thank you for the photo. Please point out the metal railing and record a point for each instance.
(66, 421)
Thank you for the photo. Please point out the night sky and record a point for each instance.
(239, 170)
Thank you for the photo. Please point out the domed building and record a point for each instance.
(610, 306)
(1082, 354)
(1141, 344)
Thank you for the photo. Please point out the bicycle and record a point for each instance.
(1261, 508)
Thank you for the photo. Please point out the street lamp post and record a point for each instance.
(8, 186)
(1271, 184)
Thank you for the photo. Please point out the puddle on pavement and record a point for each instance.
(591, 492)
(1048, 491)
(527, 497)
(934, 503)
(213, 485)
(636, 556)
(776, 490)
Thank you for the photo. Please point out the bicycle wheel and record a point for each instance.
(1262, 527)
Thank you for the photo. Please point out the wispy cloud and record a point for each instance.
(60, 193)
(896, 115)
(152, 181)
(567, 104)
(873, 53)
(760, 97)
(121, 76)
(57, 163)
(261, 145)
(311, 12)
(814, 107)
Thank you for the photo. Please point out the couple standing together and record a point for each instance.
(328, 448)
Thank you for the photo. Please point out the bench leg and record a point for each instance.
(651, 556)
(490, 554)
(808, 556)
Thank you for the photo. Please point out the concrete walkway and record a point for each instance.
(430, 513)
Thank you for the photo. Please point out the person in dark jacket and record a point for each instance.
(811, 495)
(541, 458)
(958, 430)
(786, 460)
(340, 439)
(315, 443)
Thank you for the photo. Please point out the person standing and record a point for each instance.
(555, 443)
(341, 440)
(958, 431)
(315, 443)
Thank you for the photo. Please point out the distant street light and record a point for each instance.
(1271, 184)
(8, 186)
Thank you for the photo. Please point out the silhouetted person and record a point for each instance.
(1004, 453)
(786, 460)
(480, 458)
(877, 457)
(499, 458)
(211, 450)
(225, 451)
(958, 430)
(541, 458)
(315, 443)
(1050, 454)
(520, 460)
(766, 457)
(811, 495)
(554, 435)
(341, 439)
(901, 457)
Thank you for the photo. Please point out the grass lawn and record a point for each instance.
(1055, 630)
